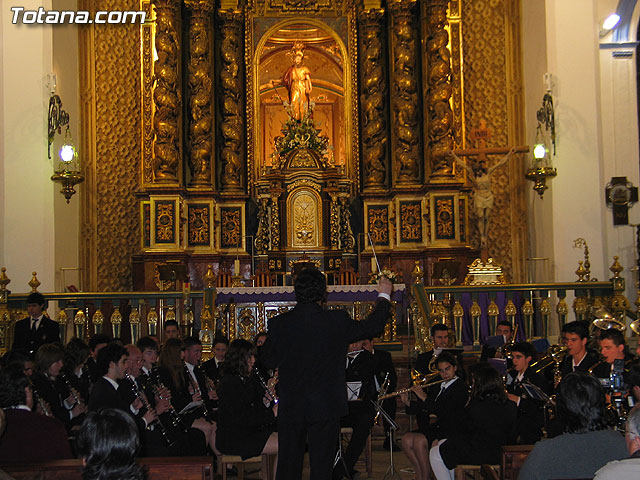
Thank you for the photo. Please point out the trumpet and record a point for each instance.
(405, 390)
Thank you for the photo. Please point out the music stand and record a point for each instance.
(391, 472)
(340, 455)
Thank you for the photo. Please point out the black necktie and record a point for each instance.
(33, 326)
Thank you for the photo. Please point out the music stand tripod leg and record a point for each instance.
(391, 472)
(340, 457)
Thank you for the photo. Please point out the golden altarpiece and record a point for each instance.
(273, 130)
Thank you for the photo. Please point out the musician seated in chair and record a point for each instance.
(588, 443)
(440, 339)
(360, 368)
(579, 358)
(526, 389)
(489, 422)
(445, 401)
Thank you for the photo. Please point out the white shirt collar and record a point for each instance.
(112, 382)
(573, 359)
(448, 383)
(20, 407)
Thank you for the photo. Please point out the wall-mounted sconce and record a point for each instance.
(68, 173)
(609, 24)
(541, 168)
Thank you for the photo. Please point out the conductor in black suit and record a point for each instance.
(308, 345)
(36, 330)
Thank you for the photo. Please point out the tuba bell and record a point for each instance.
(605, 321)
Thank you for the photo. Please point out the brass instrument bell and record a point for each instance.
(605, 321)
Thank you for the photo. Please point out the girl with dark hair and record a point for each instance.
(171, 374)
(489, 422)
(108, 443)
(76, 354)
(246, 416)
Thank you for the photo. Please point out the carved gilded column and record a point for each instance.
(232, 127)
(275, 222)
(405, 99)
(334, 222)
(440, 116)
(262, 235)
(200, 84)
(373, 80)
(166, 94)
(347, 240)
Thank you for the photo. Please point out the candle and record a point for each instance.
(373, 265)
(236, 265)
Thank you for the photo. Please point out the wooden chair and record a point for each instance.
(367, 463)
(266, 461)
(489, 472)
(464, 472)
(162, 468)
(513, 456)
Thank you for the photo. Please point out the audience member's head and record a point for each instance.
(633, 430)
(581, 403)
(14, 388)
(171, 329)
(440, 335)
(310, 286)
(240, 358)
(108, 442)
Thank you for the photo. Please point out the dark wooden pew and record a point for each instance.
(513, 456)
(164, 468)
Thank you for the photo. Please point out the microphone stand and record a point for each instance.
(391, 472)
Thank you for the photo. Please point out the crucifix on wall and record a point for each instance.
(480, 175)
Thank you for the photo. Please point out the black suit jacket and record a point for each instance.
(590, 359)
(23, 339)
(530, 411)
(422, 363)
(308, 345)
(103, 395)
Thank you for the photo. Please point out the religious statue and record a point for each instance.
(297, 81)
(480, 175)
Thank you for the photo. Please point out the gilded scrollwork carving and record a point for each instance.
(232, 127)
(166, 94)
(200, 86)
(347, 240)
(275, 222)
(374, 105)
(334, 222)
(262, 235)
(440, 136)
(405, 98)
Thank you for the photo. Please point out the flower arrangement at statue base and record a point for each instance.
(301, 135)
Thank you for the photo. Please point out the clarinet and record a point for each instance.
(211, 385)
(196, 389)
(39, 400)
(74, 393)
(270, 393)
(143, 398)
(157, 386)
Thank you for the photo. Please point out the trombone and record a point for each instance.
(418, 380)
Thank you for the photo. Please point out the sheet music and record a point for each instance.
(353, 390)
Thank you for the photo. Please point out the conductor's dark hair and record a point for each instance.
(525, 348)
(111, 353)
(147, 343)
(97, 340)
(488, 385)
(13, 382)
(447, 357)
(236, 360)
(438, 327)
(36, 297)
(108, 442)
(581, 403)
(310, 286)
(75, 353)
(577, 327)
(616, 336)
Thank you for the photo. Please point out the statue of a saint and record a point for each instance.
(297, 81)
(480, 175)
